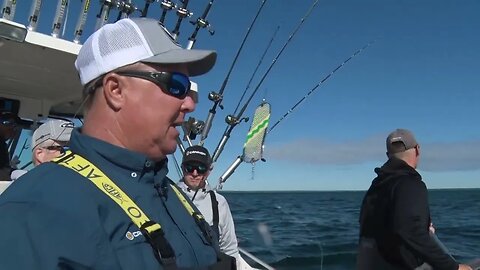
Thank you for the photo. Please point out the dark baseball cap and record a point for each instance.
(8, 118)
(400, 140)
(198, 154)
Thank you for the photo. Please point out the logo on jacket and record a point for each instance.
(132, 235)
(113, 192)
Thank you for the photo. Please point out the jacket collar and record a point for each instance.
(99, 152)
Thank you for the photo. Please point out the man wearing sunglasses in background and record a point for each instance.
(108, 203)
(48, 142)
(196, 167)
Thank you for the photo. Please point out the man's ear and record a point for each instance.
(113, 91)
(38, 155)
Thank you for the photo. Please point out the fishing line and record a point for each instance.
(218, 97)
(278, 55)
(255, 71)
(235, 120)
(318, 85)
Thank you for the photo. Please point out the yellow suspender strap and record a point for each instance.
(107, 186)
(185, 203)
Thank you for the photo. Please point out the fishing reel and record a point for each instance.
(183, 13)
(167, 5)
(203, 23)
(126, 7)
(232, 120)
(191, 128)
(216, 97)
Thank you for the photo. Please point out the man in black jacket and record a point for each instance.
(395, 217)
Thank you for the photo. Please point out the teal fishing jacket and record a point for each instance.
(54, 218)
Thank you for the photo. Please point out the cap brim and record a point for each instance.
(198, 62)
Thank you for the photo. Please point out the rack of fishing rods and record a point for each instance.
(124, 9)
(254, 145)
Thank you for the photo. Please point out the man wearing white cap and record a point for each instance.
(107, 203)
(48, 142)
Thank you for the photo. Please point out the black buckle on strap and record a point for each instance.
(162, 249)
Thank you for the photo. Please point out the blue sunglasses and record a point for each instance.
(174, 83)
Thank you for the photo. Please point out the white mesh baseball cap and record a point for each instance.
(132, 40)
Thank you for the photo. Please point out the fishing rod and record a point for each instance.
(102, 16)
(21, 150)
(200, 23)
(166, 6)
(218, 97)
(8, 9)
(59, 17)
(34, 15)
(318, 85)
(81, 21)
(145, 8)
(64, 26)
(182, 13)
(235, 120)
(255, 259)
(232, 120)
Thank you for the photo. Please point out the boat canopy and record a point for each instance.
(38, 71)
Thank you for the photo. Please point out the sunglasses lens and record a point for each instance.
(190, 168)
(179, 85)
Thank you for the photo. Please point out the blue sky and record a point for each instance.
(421, 73)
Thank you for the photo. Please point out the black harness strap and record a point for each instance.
(215, 212)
